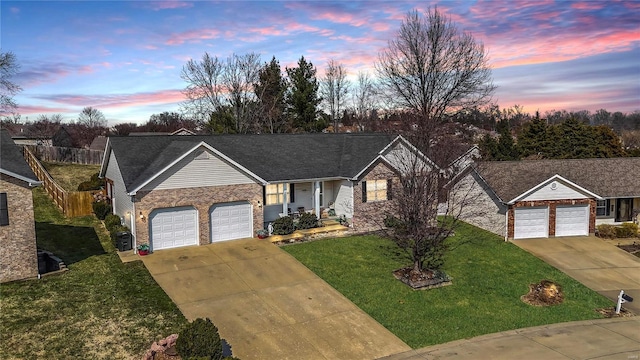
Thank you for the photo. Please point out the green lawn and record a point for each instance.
(489, 276)
(69, 176)
(100, 309)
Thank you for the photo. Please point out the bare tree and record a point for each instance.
(432, 68)
(363, 98)
(92, 118)
(270, 90)
(8, 68)
(335, 87)
(204, 86)
(240, 75)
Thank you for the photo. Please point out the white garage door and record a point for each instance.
(531, 222)
(231, 221)
(572, 220)
(173, 227)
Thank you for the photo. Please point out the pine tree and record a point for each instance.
(303, 99)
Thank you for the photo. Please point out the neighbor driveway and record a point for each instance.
(266, 304)
(599, 265)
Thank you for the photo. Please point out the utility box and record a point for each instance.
(123, 241)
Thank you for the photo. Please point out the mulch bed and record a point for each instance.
(610, 312)
(422, 280)
(633, 249)
(544, 293)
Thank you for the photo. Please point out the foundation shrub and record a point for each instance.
(627, 230)
(283, 226)
(307, 221)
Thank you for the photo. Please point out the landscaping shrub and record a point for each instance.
(607, 231)
(101, 209)
(627, 230)
(307, 221)
(283, 226)
(200, 339)
(94, 184)
(111, 220)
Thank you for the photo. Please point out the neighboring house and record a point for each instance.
(186, 190)
(547, 198)
(99, 143)
(18, 253)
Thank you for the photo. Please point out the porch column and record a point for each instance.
(285, 199)
(316, 198)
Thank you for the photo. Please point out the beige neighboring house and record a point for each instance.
(552, 198)
(18, 252)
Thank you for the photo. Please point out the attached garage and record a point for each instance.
(531, 222)
(173, 227)
(572, 220)
(231, 221)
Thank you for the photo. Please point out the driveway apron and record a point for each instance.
(266, 304)
(600, 266)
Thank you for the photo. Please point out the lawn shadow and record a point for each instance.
(70, 243)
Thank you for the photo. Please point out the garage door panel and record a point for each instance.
(173, 227)
(531, 222)
(572, 220)
(231, 221)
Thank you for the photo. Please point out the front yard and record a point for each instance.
(100, 309)
(489, 276)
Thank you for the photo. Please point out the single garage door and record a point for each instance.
(173, 227)
(531, 222)
(231, 221)
(572, 220)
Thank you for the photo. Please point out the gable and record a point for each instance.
(556, 190)
(198, 169)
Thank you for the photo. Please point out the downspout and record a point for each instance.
(506, 224)
(285, 199)
(316, 198)
(133, 224)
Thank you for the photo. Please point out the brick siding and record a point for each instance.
(201, 199)
(552, 204)
(369, 216)
(18, 253)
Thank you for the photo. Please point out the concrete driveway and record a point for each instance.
(266, 304)
(599, 265)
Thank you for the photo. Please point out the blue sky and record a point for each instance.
(125, 57)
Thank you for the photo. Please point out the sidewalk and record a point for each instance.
(610, 339)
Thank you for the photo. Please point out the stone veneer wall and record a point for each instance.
(368, 216)
(201, 199)
(18, 253)
(552, 213)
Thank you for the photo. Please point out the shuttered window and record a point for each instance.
(4, 210)
(273, 194)
(376, 190)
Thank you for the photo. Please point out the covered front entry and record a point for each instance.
(531, 222)
(572, 220)
(173, 227)
(231, 221)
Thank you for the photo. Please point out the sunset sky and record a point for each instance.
(125, 57)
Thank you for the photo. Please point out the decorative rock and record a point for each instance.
(160, 346)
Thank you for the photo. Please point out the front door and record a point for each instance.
(624, 210)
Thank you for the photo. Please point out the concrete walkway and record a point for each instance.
(266, 304)
(605, 339)
(599, 265)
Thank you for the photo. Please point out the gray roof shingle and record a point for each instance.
(610, 178)
(12, 160)
(272, 157)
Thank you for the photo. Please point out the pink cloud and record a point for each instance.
(193, 36)
(118, 100)
(587, 6)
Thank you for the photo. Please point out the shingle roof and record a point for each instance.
(272, 157)
(11, 159)
(610, 178)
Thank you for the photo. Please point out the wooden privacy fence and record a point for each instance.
(72, 203)
(67, 154)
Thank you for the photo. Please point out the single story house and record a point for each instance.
(18, 252)
(176, 191)
(549, 198)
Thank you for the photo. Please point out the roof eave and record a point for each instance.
(30, 181)
(543, 183)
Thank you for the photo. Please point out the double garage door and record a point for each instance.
(176, 227)
(533, 222)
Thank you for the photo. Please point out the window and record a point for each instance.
(602, 207)
(376, 190)
(273, 193)
(4, 210)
